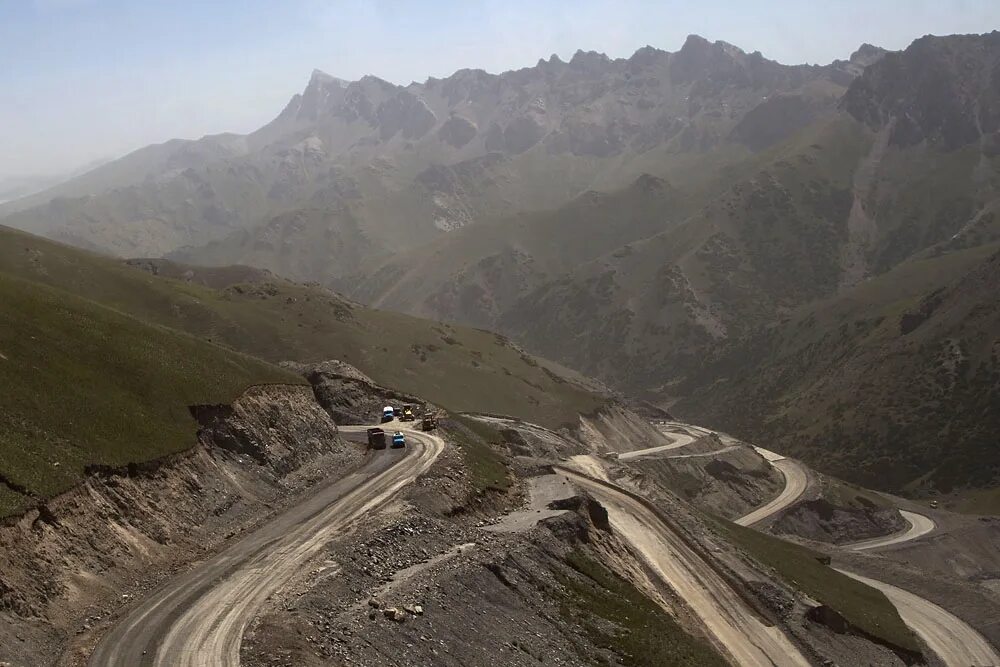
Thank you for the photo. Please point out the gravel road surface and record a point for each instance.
(198, 618)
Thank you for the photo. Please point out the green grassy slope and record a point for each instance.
(489, 470)
(461, 369)
(82, 385)
(863, 607)
(618, 617)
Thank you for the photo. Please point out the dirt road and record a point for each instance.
(919, 525)
(198, 618)
(951, 639)
(957, 644)
(796, 482)
(679, 440)
(736, 628)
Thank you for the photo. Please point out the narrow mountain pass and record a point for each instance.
(737, 629)
(199, 617)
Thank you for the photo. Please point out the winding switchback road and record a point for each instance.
(796, 482)
(919, 525)
(198, 618)
(679, 440)
(951, 638)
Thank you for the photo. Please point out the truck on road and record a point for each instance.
(398, 440)
(376, 438)
(407, 415)
(388, 414)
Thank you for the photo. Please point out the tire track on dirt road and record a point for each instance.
(198, 618)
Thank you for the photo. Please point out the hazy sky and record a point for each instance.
(87, 79)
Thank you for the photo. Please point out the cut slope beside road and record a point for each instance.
(198, 619)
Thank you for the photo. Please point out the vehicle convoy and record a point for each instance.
(388, 414)
(376, 438)
(398, 440)
(407, 415)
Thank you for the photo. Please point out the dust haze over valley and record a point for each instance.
(673, 354)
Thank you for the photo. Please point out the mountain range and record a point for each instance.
(801, 254)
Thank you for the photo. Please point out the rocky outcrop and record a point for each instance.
(348, 395)
(278, 430)
(457, 131)
(521, 134)
(405, 113)
(823, 521)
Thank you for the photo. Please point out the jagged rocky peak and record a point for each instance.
(699, 57)
(942, 90)
(321, 78)
(371, 82)
(696, 45)
(646, 56)
(867, 54)
(552, 63)
(321, 94)
(591, 60)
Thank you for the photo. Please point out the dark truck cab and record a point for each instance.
(376, 438)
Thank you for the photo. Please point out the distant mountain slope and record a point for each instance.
(152, 162)
(703, 273)
(477, 274)
(380, 168)
(895, 385)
